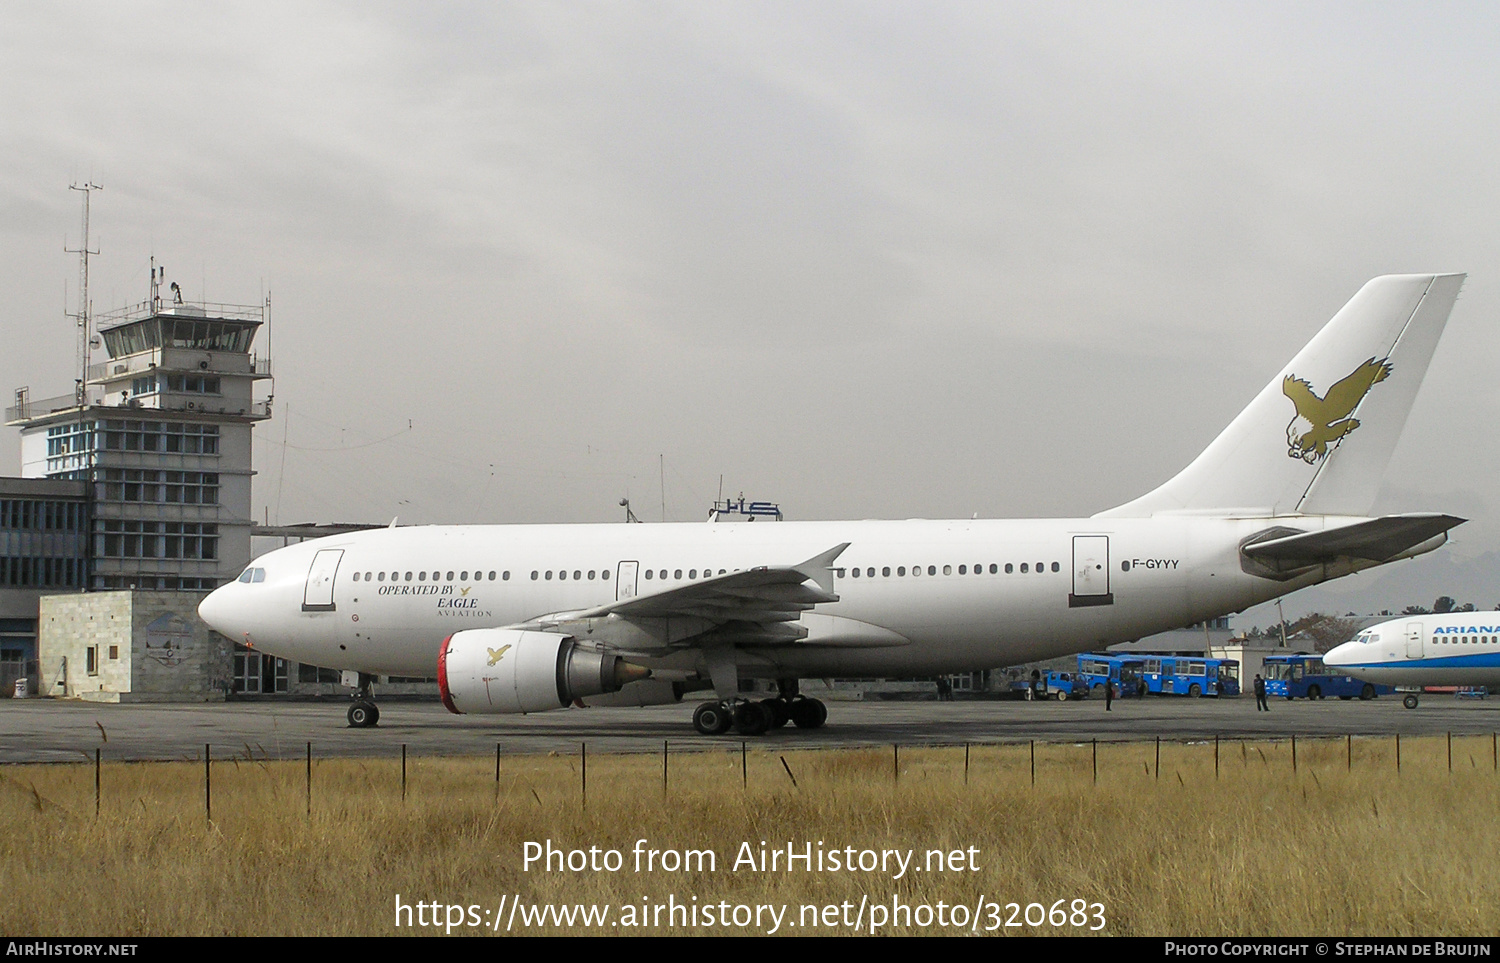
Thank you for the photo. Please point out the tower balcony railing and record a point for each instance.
(186, 309)
(29, 408)
(188, 404)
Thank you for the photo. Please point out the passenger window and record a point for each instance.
(408, 576)
(356, 576)
(900, 570)
(854, 572)
(506, 576)
(963, 570)
(548, 576)
(650, 573)
(380, 577)
(563, 575)
(993, 568)
(1009, 568)
(1056, 567)
(591, 574)
(886, 571)
(450, 577)
(947, 569)
(677, 574)
(1023, 568)
(604, 575)
(534, 574)
(916, 570)
(692, 573)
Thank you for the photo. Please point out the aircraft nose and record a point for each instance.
(1338, 655)
(217, 610)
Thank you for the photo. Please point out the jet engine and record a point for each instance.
(522, 670)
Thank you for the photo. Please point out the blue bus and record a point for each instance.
(1191, 675)
(1124, 670)
(1304, 676)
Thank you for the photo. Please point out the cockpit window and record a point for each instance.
(253, 575)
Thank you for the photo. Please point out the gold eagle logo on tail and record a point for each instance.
(1320, 422)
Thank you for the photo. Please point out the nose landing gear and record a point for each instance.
(363, 712)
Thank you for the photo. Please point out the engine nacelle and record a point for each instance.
(520, 670)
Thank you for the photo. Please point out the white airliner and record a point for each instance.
(1456, 648)
(525, 618)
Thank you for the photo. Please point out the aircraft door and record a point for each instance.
(625, 580)
(318, 597)
(1090, 571)
(1414, 640)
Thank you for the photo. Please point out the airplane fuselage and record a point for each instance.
(930, 597)
(1455, 648)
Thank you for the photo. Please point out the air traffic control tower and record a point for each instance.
(161, 430)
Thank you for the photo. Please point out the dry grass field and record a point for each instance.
(1256, 849)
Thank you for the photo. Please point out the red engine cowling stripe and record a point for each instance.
(442, 676)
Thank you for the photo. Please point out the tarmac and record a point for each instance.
(47, 730)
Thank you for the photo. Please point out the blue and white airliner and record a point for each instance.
(1457, 648)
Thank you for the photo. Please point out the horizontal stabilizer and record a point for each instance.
(1377, 540)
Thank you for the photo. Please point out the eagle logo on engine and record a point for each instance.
(1324, 421)
(497, 654)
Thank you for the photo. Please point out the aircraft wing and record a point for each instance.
(772, 593)
(751, 606)
(1377, 540)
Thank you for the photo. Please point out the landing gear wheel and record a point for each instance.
(1367, 693)
(780, 711)
(809, 713)
(363, 715)
(751, 719)
(712, 718)
(1410, 702)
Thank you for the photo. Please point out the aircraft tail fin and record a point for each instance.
(1317, 439)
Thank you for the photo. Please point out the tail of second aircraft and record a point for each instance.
(1317, 439)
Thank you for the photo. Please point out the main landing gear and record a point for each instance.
(363, 712)
(757, 718)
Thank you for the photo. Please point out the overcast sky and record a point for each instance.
(866, 260)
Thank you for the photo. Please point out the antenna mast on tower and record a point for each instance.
(82, 317)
